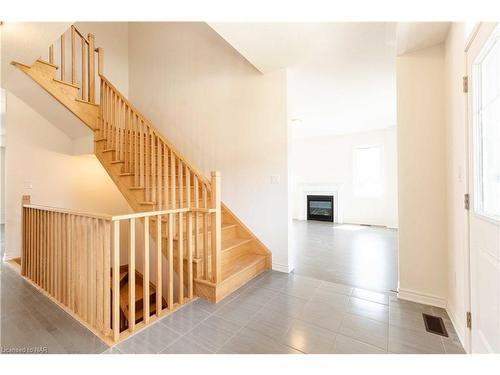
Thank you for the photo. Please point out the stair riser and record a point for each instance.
(230, 255)
(47, 70)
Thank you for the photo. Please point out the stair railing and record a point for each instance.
(166, 178)
(77, 65)
(77, 257)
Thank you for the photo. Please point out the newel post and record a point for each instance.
(100, 61)
(216, 226)
(24, 235)
(91, 70)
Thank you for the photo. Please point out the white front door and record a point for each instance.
(483, 70)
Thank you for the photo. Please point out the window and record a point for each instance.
(368, 181)
(486, 80)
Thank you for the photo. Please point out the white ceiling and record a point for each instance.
(341, 76)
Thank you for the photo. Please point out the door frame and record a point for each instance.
(469, 128)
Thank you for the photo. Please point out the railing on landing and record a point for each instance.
(78, 62)
(76, 258)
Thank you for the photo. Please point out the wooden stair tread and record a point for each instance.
(48, 63)
(231, 243)
(240, 264)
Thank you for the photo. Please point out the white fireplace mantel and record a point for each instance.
(321, 189)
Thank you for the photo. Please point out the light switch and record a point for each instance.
(28, 185)
(275, 179)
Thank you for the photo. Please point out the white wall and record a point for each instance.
(456, 177)
(423, 265)
(39, 154)
(222, 114)
(330, 161)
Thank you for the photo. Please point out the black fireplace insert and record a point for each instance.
(320, 207)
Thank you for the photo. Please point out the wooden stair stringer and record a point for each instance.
(43, 74)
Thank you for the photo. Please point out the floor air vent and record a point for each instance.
(434, 324)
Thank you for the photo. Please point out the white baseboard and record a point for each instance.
(282, 267)
(424, 298)
(458, 328)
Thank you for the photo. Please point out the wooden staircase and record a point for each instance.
(153, 175)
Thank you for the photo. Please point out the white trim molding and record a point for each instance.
(459, 329)
(424, 298)
(282, 267)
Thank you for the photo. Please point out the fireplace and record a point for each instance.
(320, 207)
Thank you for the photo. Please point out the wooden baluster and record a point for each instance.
(36, 245)
(205, 196)
(181, 182)
(180, 258)
(196, 217)
(141, 154)
(100, 61)
(92, 277)
(216, 222)
(84, 70)
(107, 277)
(85, 267)
(126, 139)
(116, 281)
(159, 179)
(189, 236)
(57, 256)
(152, 167)
(145, 278)
(91, 70)
(206, 266)
(137, 158)
(159, 291)
(63, 58)
(147, 157)
(131, 278)
(51, 54)
(172, 180)
(99, 274)
(165, 175)
(73, 55)
(170, 258)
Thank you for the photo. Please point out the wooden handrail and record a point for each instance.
(71, 212)
(157, 133)
(73, 27)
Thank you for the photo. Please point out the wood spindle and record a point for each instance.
(100, 61)
(145, 278)
(215, 230)
(73, 55)
(107, 277)
(159, 270)
(172, 180)
(91, 70)
(63, 58)
(165, 176)
(180, 259)
(206, 266)
(51, 54)
(84, 69)
(116, 281)
(196, 218)
(170, 258)
(131, 278)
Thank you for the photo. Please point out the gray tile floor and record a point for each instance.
(274, 313)
(361, 256)
(280, 313)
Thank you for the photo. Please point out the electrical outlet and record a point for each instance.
(28, 185)
(275, 179)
